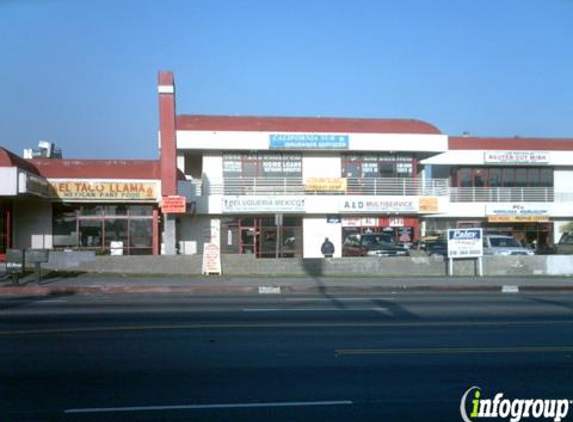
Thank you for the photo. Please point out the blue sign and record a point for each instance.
(465, 234)
(307, 141)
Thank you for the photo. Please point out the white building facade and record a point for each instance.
(278, 186)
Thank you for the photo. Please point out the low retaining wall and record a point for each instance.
(248, 265)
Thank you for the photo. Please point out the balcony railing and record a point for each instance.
(239, 186)
(350, 186)
(501, 195)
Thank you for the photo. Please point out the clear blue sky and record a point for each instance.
(83, 73)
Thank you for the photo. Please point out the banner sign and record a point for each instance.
(465, 243)
(516, 157)
(103, 191)
(173, 204)
(325, 184)
(307, 141)
(357, 204)
(429, 204)
(517, 213)
(258, 204)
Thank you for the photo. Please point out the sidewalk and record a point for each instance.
(70, 283)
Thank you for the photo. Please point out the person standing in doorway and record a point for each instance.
(327, 248)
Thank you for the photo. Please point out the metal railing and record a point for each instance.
(501, 195)
(353, 186)
(239, 186)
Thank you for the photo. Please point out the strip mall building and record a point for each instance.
(278, 186)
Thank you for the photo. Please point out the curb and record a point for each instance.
(15, 291)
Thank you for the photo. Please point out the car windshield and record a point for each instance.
(376, 239)
(504, 242)
(567, 239)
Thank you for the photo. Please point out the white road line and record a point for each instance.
(209, 406)
(375, 309)
(337, 299)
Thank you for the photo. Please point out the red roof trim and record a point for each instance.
(528, 144)
(98, 169)
(303, 124)
(9, 159)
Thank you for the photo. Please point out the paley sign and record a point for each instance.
(465, 243)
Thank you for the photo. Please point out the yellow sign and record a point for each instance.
(429, 204)
(104, 191)
(517, 219)
(325, 184)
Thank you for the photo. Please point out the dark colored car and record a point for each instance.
(372, 244)
(437, 247)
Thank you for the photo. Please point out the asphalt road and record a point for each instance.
(400, 357)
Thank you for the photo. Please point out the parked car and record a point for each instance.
(504, 245)
(372, 244)
(437, 247)
(565, 245)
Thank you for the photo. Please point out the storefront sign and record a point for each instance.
(307, 141)
(517, 213)
(396, 222)
(429, 204)
(351, 222)
(104, 191)
(517, 219)
(174, 204)
(465, 243)
(35, 185)
(263, 204)
(325, 184)
(357, 204)
(516, 157)
(333, 219)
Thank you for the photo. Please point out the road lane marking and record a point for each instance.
(454, 350)
(376, 309)
(285, 325)
(337, 299)
(209, 406)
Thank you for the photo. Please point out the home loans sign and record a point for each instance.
(465, 243)
(78, 190)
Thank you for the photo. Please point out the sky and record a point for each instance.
(83, 74)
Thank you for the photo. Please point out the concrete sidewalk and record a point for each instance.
(85, 283)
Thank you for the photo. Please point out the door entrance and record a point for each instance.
(4, 230)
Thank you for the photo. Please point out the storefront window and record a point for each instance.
(140, 237)
(92, 210)
(260, 236)
(140, 210)
(116, 210)
(91, 233)
(98, 226)
(382, 165)
(116, 231)
(507, 177)
(64, 228)
(268, 164)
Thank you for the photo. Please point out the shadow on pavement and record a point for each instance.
(20, 301)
